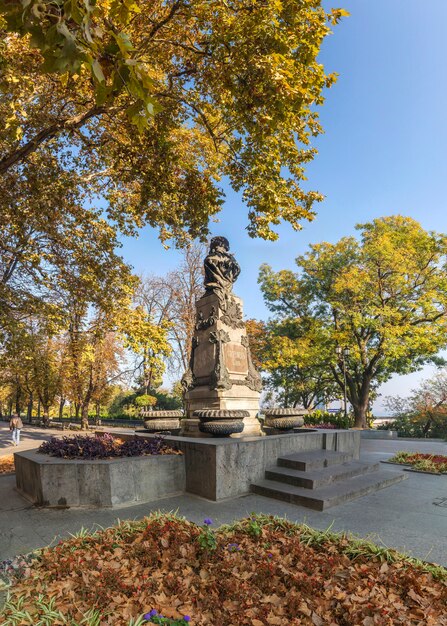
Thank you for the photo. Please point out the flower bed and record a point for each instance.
(323, 425)
(430, 463)
(7, 464)
(260, 571)
(103, 446)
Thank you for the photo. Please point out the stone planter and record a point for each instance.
(284, 420)
(162, 421)
(221, 422)
(54, 482)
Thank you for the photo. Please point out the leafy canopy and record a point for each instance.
(152, 102)
(383, 296)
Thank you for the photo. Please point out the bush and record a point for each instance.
(411, 426)
(103, 447)
(145, 401)
(338, 420)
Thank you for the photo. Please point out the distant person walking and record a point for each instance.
(15, 425)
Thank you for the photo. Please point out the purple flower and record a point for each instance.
(270, 555)
(233, 547)
(151, 614)
(186, 618)
(208, 521)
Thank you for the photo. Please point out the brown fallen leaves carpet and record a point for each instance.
(7, 464)
(264, 571)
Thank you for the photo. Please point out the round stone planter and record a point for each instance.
(221, 422)
(161, 421)
(284, 419)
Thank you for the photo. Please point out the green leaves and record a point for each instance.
(384, 297)
(197, 90)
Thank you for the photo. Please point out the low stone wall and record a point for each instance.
(378, 434)
(50, 481)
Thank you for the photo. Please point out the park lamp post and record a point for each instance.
(343, 354)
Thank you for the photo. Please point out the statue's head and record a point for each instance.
(219, 242)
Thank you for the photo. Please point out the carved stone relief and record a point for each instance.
(188, 379)
(202, 323)
(220, 378)
(232, 313)
(253, 378)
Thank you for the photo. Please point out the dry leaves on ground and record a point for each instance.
(263, 572)
(7, 464)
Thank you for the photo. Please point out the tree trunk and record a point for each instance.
(18, 397)
(38, 410)
(84, 415)
(61, 407)
(46, 415)
(77, 408)
(29, 411)
(360, 415)
(358, 396)
(426, 427)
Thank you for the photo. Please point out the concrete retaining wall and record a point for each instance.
(49, 481)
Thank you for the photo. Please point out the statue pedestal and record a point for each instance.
(221, 374)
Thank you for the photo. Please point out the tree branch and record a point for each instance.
(48, 133)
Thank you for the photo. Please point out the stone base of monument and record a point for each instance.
(224, 467)
(221, 374)
(314, 469)
(240, 397)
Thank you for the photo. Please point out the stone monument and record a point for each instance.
(221, 375)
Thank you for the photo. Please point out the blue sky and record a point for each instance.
(384, 150)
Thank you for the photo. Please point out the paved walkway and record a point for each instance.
(410, 516)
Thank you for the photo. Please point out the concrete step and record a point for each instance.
(327, 496)
(315, 459)
(315, 478)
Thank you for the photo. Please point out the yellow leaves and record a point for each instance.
(336, 15)
(217, 84)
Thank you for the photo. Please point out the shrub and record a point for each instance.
(324, 425)
(104, 446)
(145, 401)
(338, 420)
(412, 426)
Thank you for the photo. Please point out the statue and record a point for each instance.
(221, 386)
(221, 268)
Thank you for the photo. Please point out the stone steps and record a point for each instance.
(320, 479)
(314, 459)
(312, 479)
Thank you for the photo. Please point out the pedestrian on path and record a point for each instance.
(15, 425)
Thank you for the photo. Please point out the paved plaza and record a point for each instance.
(410, 516)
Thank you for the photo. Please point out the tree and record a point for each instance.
(425, 410)
(170, 302)
(150, 103)
(45, 367)
(187, 286)
(384, 297)
(53, 242)
(291, 358)
(95, 354)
